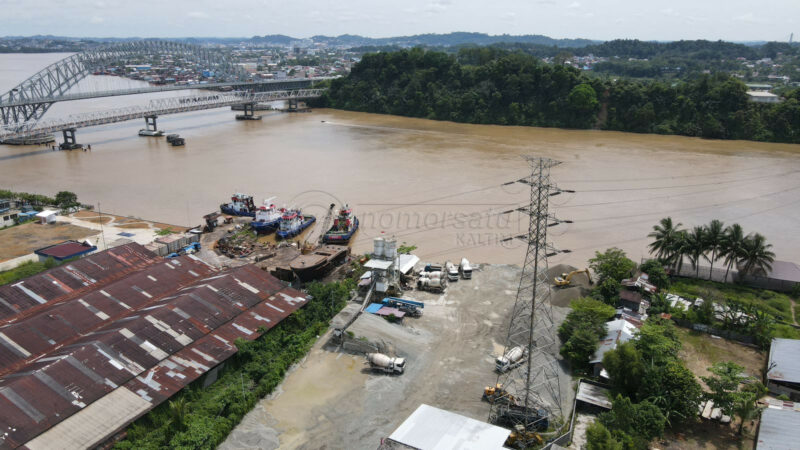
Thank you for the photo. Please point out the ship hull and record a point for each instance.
(264, 227)
(232, 212)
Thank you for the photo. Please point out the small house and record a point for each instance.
(47, 216)
(783, 368)
(65, 250)
(618, 332)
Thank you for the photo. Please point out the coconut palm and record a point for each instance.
(715, 235)
(664, 236)
(732, 246)
(678, 250)
(756, 257)
(696, 247)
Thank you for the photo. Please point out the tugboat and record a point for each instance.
(240, 205)
(267, 218)
(344, 226)
(292, 223)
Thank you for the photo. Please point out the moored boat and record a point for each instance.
(344, 227)
(267, 218)
(151, 133)
(240, 205)
(292, 223)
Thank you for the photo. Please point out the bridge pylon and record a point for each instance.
(150, 123)
(69, 140)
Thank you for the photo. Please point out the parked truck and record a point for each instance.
(511, 359)
(384, 363)
(465, 269)
(410, 307)
(431, 281)
(452, 271)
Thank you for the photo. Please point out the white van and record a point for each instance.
(465, 269)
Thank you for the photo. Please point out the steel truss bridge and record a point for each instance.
(23, 107)
(154, 108)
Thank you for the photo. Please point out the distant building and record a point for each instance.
(763, 97)
(783, 368)
(8, 217)
(65, 250)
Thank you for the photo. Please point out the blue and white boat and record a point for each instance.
(267, 218)
(292, 223)
(344, 227)
(240, 205)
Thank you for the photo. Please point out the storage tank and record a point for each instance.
(378, 247)
(390, 248)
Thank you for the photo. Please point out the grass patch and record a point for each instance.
(28, 269)
(774, 303)
(165, 232)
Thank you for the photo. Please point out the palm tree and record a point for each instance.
(678, 250)
(756, 257)
(664, 235)
(696, 247)
(715, 235)
(732, 246)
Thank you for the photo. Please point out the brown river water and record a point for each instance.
(436, 185)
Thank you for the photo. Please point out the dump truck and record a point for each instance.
(510, 359)
(497, 393)
(384, 363)
(465, 269)
(566, 278)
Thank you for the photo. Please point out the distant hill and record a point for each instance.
(430, 39)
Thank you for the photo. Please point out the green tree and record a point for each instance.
(579, 348)
(655, 270)
(723, 385)
(745, 405)
(657, 341)
(613, 264)
(664, 237)
(608, 291)
(756, 257)
(642, 419)
(673, 388)
(625, 368)
(732, 248)
(599, 438)
(66, 199)
(714, 240)
(696, 243)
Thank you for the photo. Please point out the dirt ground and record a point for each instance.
(125, 222)
(332, 400)
(24, 239)
(700, 351)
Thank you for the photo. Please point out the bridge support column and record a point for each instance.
(292, 104)
(69, 140)
(150, 123)
(249, 112)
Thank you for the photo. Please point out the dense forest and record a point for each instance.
(489, 85)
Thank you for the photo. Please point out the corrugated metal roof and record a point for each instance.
(153, 350)
(71, 279)
(784, 360)
(784, 270)
(618, 332)
(779, 430)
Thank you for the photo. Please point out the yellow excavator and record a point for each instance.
(519, 437)
(496, 393)
(566, 278)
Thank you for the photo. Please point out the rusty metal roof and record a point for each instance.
(72, 278)
(153, 350)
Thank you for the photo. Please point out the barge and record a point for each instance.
(319, 262)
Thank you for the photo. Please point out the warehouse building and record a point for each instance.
(90, 357)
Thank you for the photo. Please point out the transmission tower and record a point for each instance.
(531, 400)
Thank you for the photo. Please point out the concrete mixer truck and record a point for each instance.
(387, 364)
(511, 359)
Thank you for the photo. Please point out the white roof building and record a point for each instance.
(430, 428)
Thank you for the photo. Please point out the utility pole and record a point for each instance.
(532, 390)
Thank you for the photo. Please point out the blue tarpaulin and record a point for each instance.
(374, 308)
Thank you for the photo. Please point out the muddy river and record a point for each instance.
(436, 185)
